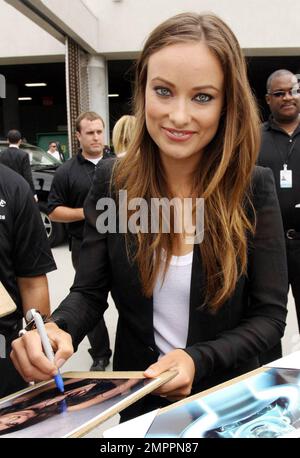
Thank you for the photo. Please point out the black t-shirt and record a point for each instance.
(70, 186)
(24, 248)
(279, 148)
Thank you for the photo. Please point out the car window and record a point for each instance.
(37, 155)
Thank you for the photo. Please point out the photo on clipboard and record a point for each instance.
(265, 405)
(89, 399)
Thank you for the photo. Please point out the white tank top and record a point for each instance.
(171, 304)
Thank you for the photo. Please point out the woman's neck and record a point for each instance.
(179, 176)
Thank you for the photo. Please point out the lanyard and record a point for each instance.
(289, 153)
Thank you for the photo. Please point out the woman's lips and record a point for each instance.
(178, 135)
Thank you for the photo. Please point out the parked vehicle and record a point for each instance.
(43, 167)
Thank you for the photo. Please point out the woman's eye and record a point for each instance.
(203, 98)
(162, 91)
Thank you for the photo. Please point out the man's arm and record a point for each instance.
(34, 294)
(59, 199)
(62, 214)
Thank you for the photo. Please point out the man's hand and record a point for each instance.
(30, 360)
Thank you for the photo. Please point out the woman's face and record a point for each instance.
(183, 100)
(9, 420)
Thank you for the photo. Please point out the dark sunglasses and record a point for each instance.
(280, 94)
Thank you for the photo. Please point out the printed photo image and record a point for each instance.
(45, 412)
(266, 405)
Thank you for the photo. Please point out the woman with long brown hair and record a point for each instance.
(205, 306)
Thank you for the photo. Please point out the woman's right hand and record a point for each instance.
(30, 360)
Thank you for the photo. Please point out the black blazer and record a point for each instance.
(222, 345)
(18, 160)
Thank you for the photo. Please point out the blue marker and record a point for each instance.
(33, 314)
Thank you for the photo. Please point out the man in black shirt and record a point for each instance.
(280, 150)
(70, 186)
(25, 259)
(17, 159)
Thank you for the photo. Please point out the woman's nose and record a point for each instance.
(179, 113)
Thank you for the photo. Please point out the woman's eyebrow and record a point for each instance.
(196, 88)
(162, 80)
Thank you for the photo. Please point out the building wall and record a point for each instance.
(263, 27)
(22, 41)
(116, 29)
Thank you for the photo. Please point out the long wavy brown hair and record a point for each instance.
(224, 174)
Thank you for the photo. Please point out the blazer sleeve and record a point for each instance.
(26, 171)
(87, 300)
(264, 312)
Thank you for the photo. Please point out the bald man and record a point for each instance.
(280, 151)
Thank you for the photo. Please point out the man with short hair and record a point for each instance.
(26, 258)
(54, 151)
(70, 186)
(280, 151)
(17, 159)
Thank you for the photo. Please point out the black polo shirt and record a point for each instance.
(279, 148)
(70, 186)
(24, 248)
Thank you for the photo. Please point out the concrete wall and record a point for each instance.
(76, 19)
(262, 26)
(117, 28)
(22, 41)
(61, 18)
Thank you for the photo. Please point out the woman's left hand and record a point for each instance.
(181, 385)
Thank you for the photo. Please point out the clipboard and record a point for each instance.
(138, 427)
(76, 420)
(264, 403)
(7, 305)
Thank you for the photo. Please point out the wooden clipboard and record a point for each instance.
(160, 380)
(259, 404)
(7, 305)
(93, 418)
(212, 390)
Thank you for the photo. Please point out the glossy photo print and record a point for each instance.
(45, 412)
(266, 405)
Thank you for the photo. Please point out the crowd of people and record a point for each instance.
(212, 309)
